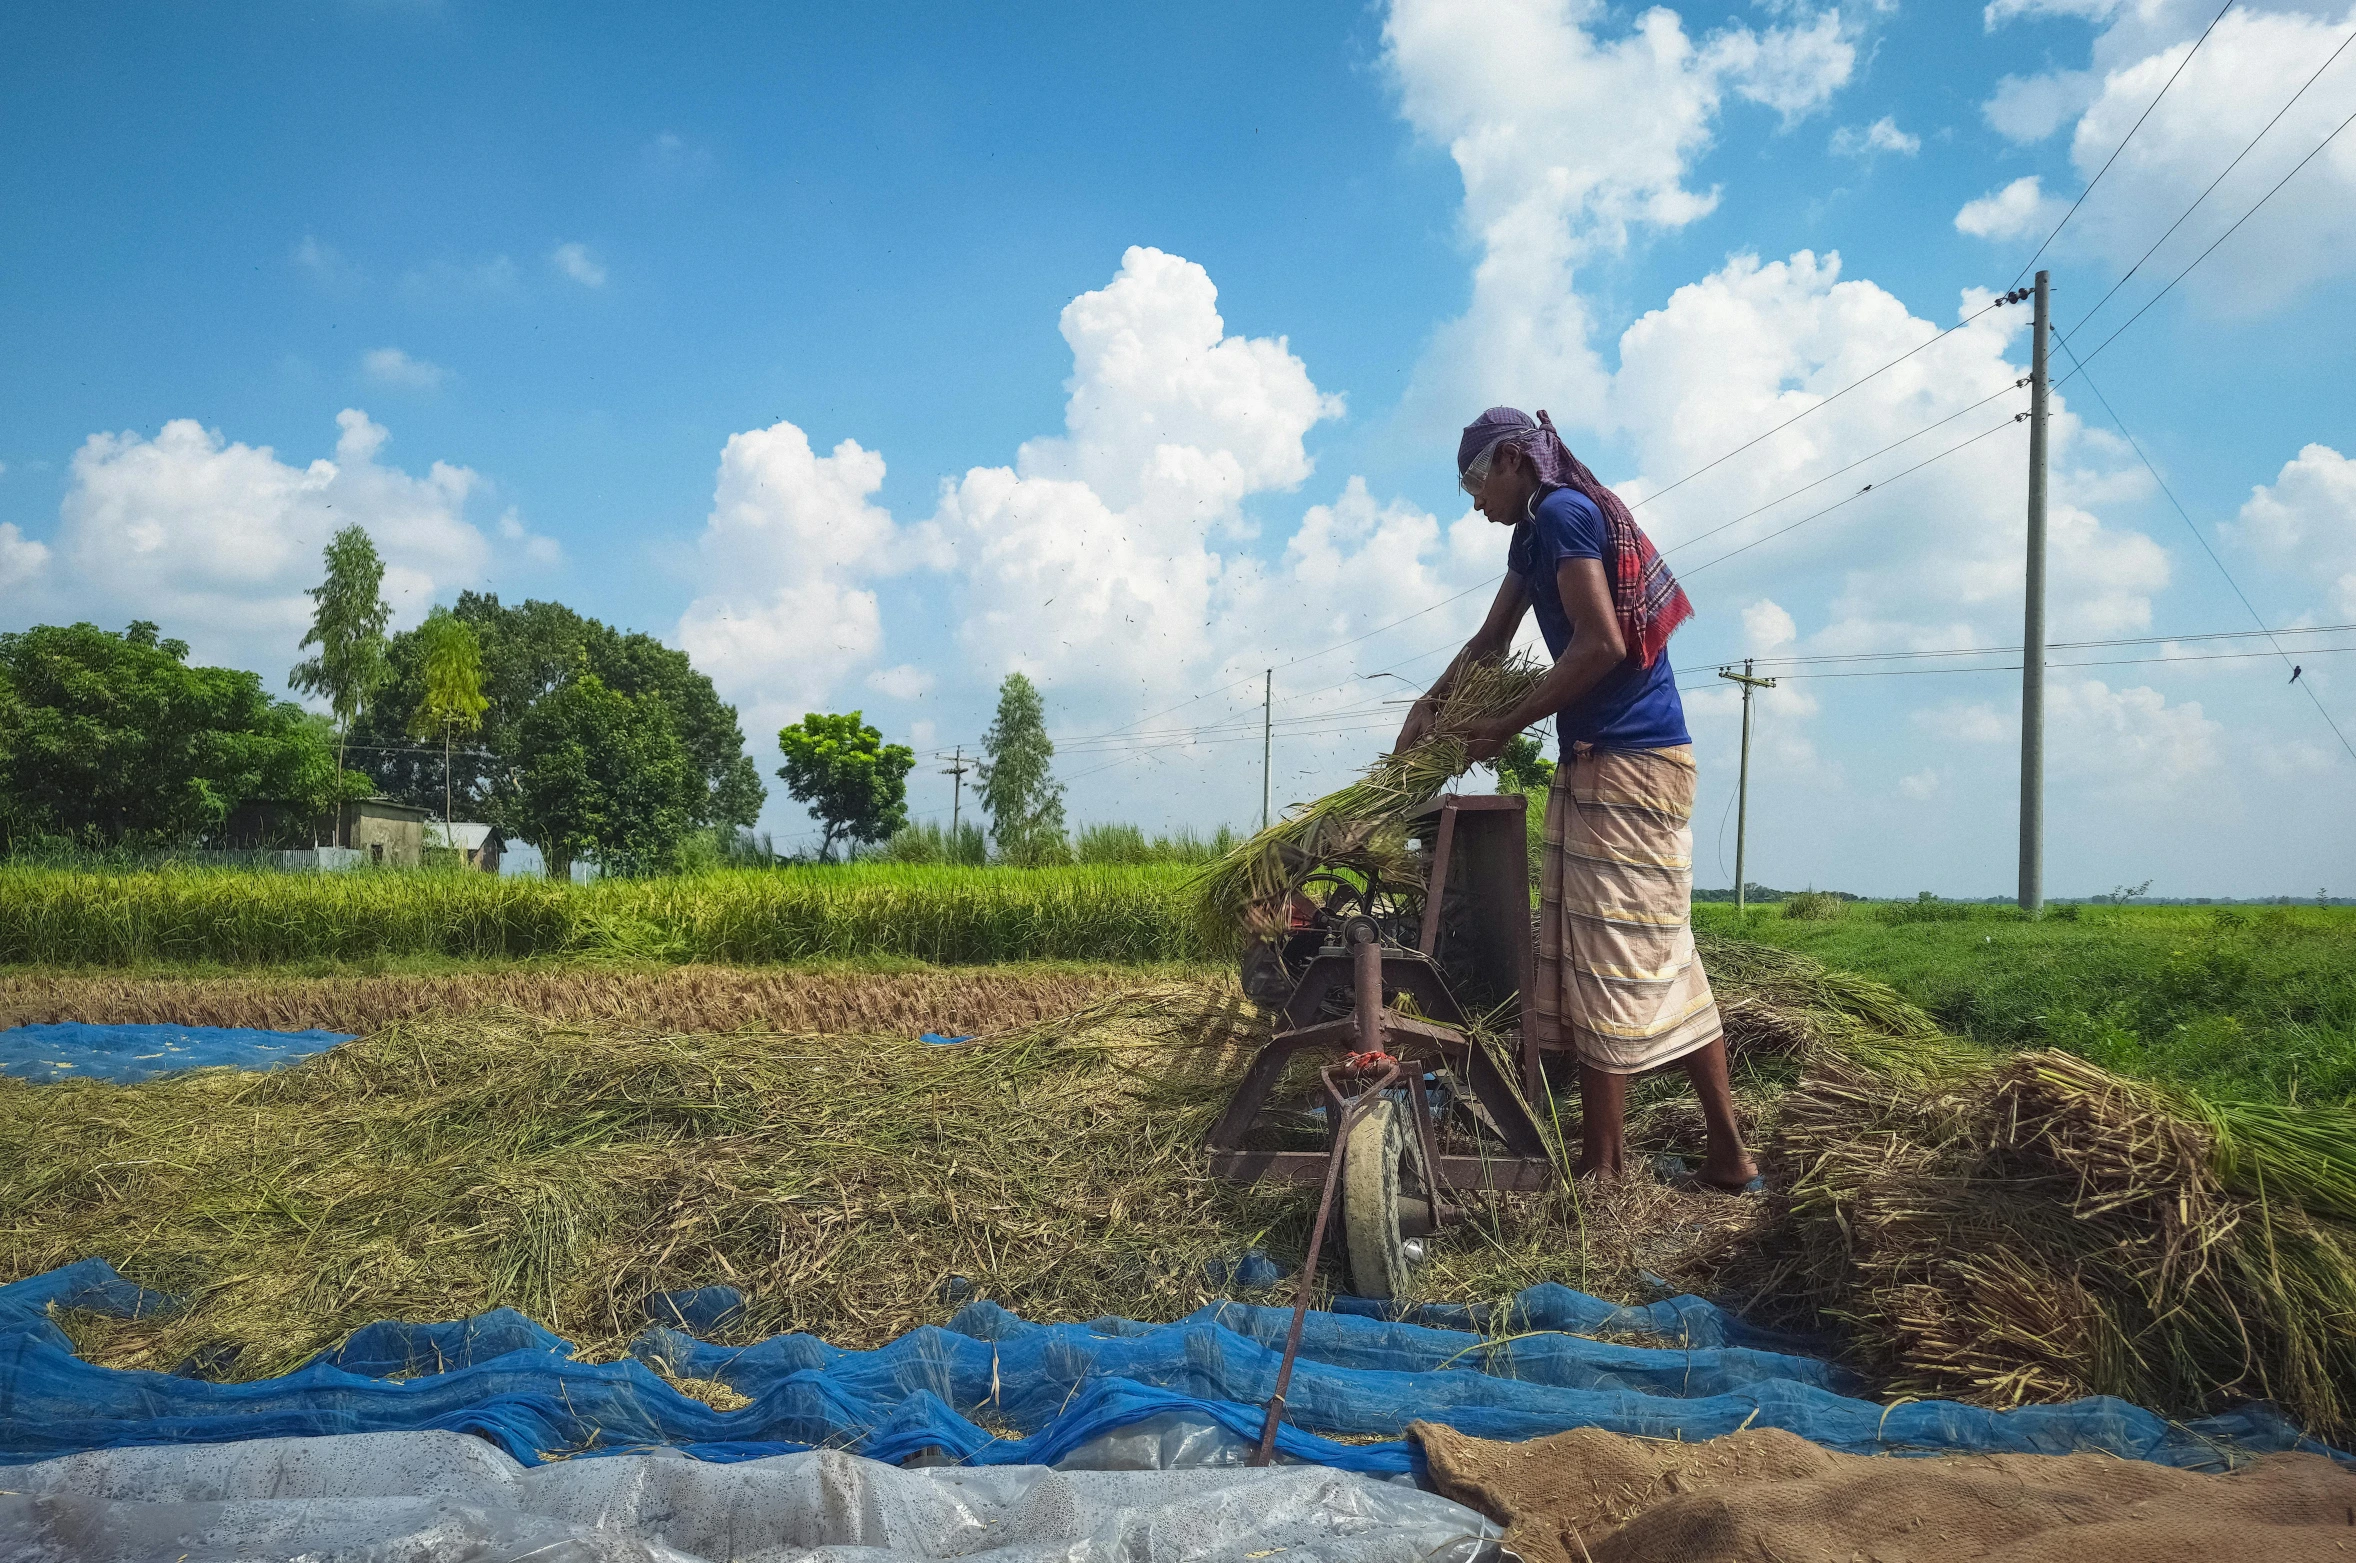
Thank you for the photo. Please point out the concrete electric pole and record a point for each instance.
(2033, 630)
(1267, 731)
(1742, 786)
(956, 768)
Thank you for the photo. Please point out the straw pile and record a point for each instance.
(1362, 827)
(2046, 1230)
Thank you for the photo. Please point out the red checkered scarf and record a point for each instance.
(1649, 602)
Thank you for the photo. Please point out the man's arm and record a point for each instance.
(1596, 648)
(1491, 640)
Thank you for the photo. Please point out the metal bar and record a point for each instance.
(1343, 1124)
(1419, 1103)
(1436, 887)
(1508, 1174)
(1367, 956)
(2032, 893)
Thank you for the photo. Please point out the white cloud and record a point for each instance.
(1974, 723)
(2306, 518)
(2129, 743)
(21, 558)
(1883, 135)
(1766, 628)
(1511, 88)
(2252, 63)
(2015, 212)
(575, 261)
(217, 540)
(905, 682)
(1921, 786)
(789, 537)
(540, 550)
(1999, 12)
(391, 366)
(2027, 109)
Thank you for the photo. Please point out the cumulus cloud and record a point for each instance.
(391, 366)
(2130, 743)
(1883, 135)
(905, 682)
(2252, 63)
(2306, 519)
(218, 539)
(325, 265)
(2025, 109)
(790, 538)
(1921, 786)
(21, 558)
(575, 261)
(1510, 88)
(2018, 210)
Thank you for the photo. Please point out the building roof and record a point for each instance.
(463, 836)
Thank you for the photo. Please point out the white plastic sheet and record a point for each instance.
(447, 1498)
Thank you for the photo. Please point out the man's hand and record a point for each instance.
(1417, 728)
(1485, 741)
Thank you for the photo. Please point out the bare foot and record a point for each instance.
(1731, 1175)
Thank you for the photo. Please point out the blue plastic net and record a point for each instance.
(73, 1050)
(1047, 1389)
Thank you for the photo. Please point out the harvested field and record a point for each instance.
(1595, 1497)
(848, 1001)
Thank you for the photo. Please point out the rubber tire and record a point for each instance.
(1375, 1255)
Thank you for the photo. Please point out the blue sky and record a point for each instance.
(1151, 331)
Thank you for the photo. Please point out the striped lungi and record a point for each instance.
(1618, 981)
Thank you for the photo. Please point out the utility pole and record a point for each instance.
(1267, 730)
(2033, 630)
(955, 768)
(1742, 786)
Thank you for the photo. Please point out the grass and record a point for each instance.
(228, 917)
(2234, 1003)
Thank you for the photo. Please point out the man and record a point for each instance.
(1618, 982)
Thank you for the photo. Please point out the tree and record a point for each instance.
(852, 782)
(348, 619)
(451, 660)
(114, 738)
(603, 776)
(529, 650)
(1023, 800)
(1523, 766)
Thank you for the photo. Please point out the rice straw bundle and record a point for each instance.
(1362, 825)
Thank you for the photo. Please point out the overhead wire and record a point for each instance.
(2186, 516)
(2247, 149)
(2088, 358)
(1819, 406)
(2123, 140)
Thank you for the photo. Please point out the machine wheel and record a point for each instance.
(1380, 1164)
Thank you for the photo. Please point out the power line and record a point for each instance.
(1860, 494)
(1820, 406)
(2105, 662)
(2059, 645)
(2130, 136)
(2214, 183)
(2186, 516)
(1852, 466)
(2203, 255)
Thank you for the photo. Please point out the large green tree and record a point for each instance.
(853, 783)
(529, 650)
(1020, 794)
(111, 738)
(451, 662)
(348, 618)
(604, 776)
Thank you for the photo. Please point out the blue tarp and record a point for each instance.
(72, 1050)
(1056, 1386)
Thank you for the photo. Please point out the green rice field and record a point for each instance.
(957, 916)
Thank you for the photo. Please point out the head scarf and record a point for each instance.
(1649, 602)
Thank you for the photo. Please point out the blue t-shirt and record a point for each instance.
(1631, 707)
